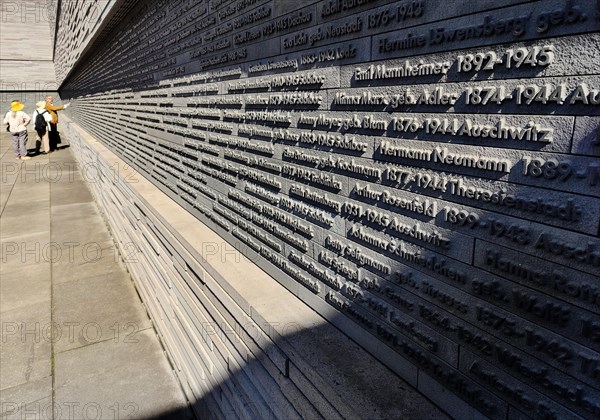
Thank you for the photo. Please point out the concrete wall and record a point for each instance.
(422, 174)
(79, 22)
(26, 53)
(240, 344)
(26, 66)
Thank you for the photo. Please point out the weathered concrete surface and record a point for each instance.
(74, 332)
(26, 29)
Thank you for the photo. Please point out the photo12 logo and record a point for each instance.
(66, 172)
(71, 331)
(67, 252)
(68, 410)
(31, 11)
(39, 11)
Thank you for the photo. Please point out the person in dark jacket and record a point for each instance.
(43, 140)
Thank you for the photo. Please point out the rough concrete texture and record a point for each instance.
(75, 336)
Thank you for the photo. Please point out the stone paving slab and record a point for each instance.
(18, 291)
(82, 229)
(110, 318)
(128, 374)
(26, 351)
(72, 193)
(15, 226)
(75, 335)
(36, 210)
(31, 400)
(23, 250)
(25, 203)
(92, 258)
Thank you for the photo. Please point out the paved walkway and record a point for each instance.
(76, 342)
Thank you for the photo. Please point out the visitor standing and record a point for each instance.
(8, 125)
(53, 135)
(17, 122)
(41, 122)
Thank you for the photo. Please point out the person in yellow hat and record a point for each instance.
(17, 122)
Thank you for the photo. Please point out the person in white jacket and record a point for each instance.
(42, 130)
(17, 121)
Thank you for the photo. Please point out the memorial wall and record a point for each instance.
(422, 173)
